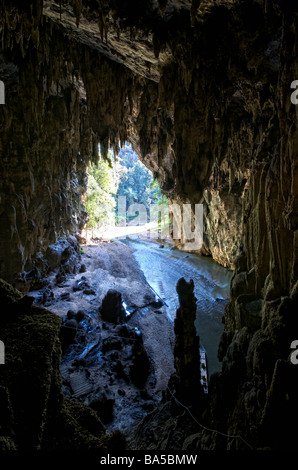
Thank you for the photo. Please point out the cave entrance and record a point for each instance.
(118, 360)
(126, 180)
(123, 199)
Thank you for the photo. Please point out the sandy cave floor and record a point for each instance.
(96, 366)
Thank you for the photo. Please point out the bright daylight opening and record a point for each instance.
(123, 199)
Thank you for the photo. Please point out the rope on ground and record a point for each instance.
(201, 425)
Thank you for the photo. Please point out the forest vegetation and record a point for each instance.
(124, 176)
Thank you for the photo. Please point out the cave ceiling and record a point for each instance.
(122, 43)
(192, 85)
(133, 33)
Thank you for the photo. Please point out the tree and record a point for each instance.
(136, 182)
(100, 203)
(126, 177)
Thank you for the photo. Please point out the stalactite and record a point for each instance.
(77, 9)
(195, 4)
(207, 122)
(162, 5)
(156, 45)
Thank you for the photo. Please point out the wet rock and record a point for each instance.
(104, 407)
(120, 370)
(47, 296)
(60, 276)
(140, 368)
(81, 284)
(89, 291)
(70, 314)
(68, 331)
(148, 406)
(79, 361)
(157, 303)
(111, 343)
(55, 253)
(126, 331)
(65, 296)
(80, 315)
(112, 309)
(83, 268)
(186, 349)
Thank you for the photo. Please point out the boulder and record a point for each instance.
(54, 254)
(104, 408)
(186, 348)
(112, 309)
(68, 333)
(81, 284)
(139, 370)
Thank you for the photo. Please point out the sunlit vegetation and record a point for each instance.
(100, 202)
(125, 176)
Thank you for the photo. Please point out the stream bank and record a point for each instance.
(121, 366)
(118, 369)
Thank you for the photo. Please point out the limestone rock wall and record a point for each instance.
(34, 413)
(202, 91)
(49, 133)
(42, 173)
(261, 318)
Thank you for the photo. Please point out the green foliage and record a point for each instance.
(100, 203)
(127, 177)
(136, 182)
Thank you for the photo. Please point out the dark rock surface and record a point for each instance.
(112, 309)
(34, 413)
(202, 91)
(113, 367)
(176, 417)
(186, 349)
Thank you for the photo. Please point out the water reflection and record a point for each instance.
(163, 267)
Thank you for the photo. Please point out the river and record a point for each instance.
(163, 267)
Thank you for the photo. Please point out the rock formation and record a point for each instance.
(34, 413)
(112, 309)
(202, 91)
(186, 349)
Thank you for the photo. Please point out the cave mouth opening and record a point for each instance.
(124, 199)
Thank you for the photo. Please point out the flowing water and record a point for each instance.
(163, 267)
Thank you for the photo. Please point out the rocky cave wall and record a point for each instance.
(205, 101)
(187, 108)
